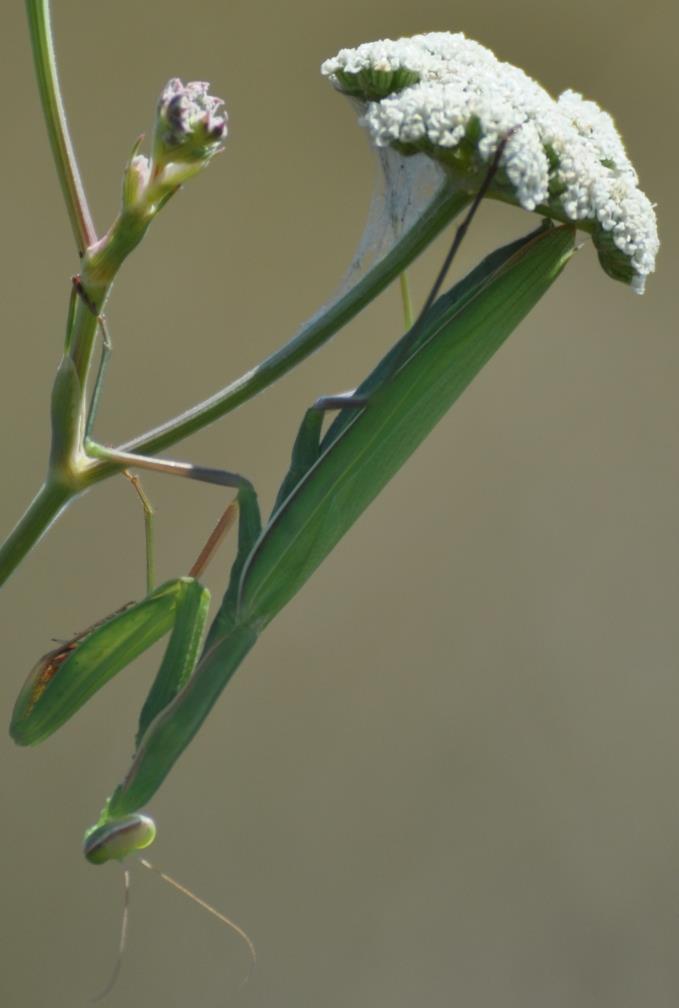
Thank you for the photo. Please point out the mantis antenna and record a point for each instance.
(210, 909)
(122, 941)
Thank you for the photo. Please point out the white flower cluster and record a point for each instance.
(439, 91)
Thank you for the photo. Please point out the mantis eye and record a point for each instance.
(115, 840)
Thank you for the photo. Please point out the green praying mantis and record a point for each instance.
(331, 480)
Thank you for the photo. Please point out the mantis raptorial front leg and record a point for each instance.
(115, 839)
(65, 678)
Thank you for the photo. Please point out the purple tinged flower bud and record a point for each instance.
(191, 126)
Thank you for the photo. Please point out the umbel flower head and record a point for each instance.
(449, 97)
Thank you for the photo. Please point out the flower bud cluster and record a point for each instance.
(451, 98)
(190, 128)
(191, 125)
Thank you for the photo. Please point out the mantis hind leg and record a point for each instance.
(149, 537)
(220, 477)
(307, 446)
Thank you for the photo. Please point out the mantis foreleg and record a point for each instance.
(65, 678)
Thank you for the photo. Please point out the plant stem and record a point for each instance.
(45, 508)
(317, 331)
(40, 29)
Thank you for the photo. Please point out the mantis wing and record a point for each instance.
(361, 453)
(458, 335)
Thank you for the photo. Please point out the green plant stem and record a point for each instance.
(317, 331)
(40, 29)
(100, 264)
(44, 509)
(100, 259)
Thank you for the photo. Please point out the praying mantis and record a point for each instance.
(332, 478)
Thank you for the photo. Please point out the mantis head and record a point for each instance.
(117, 839)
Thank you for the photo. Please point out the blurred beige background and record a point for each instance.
(447, 774)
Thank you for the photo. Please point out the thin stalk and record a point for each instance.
(406, 301)
(40, 28)
(313, 334)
